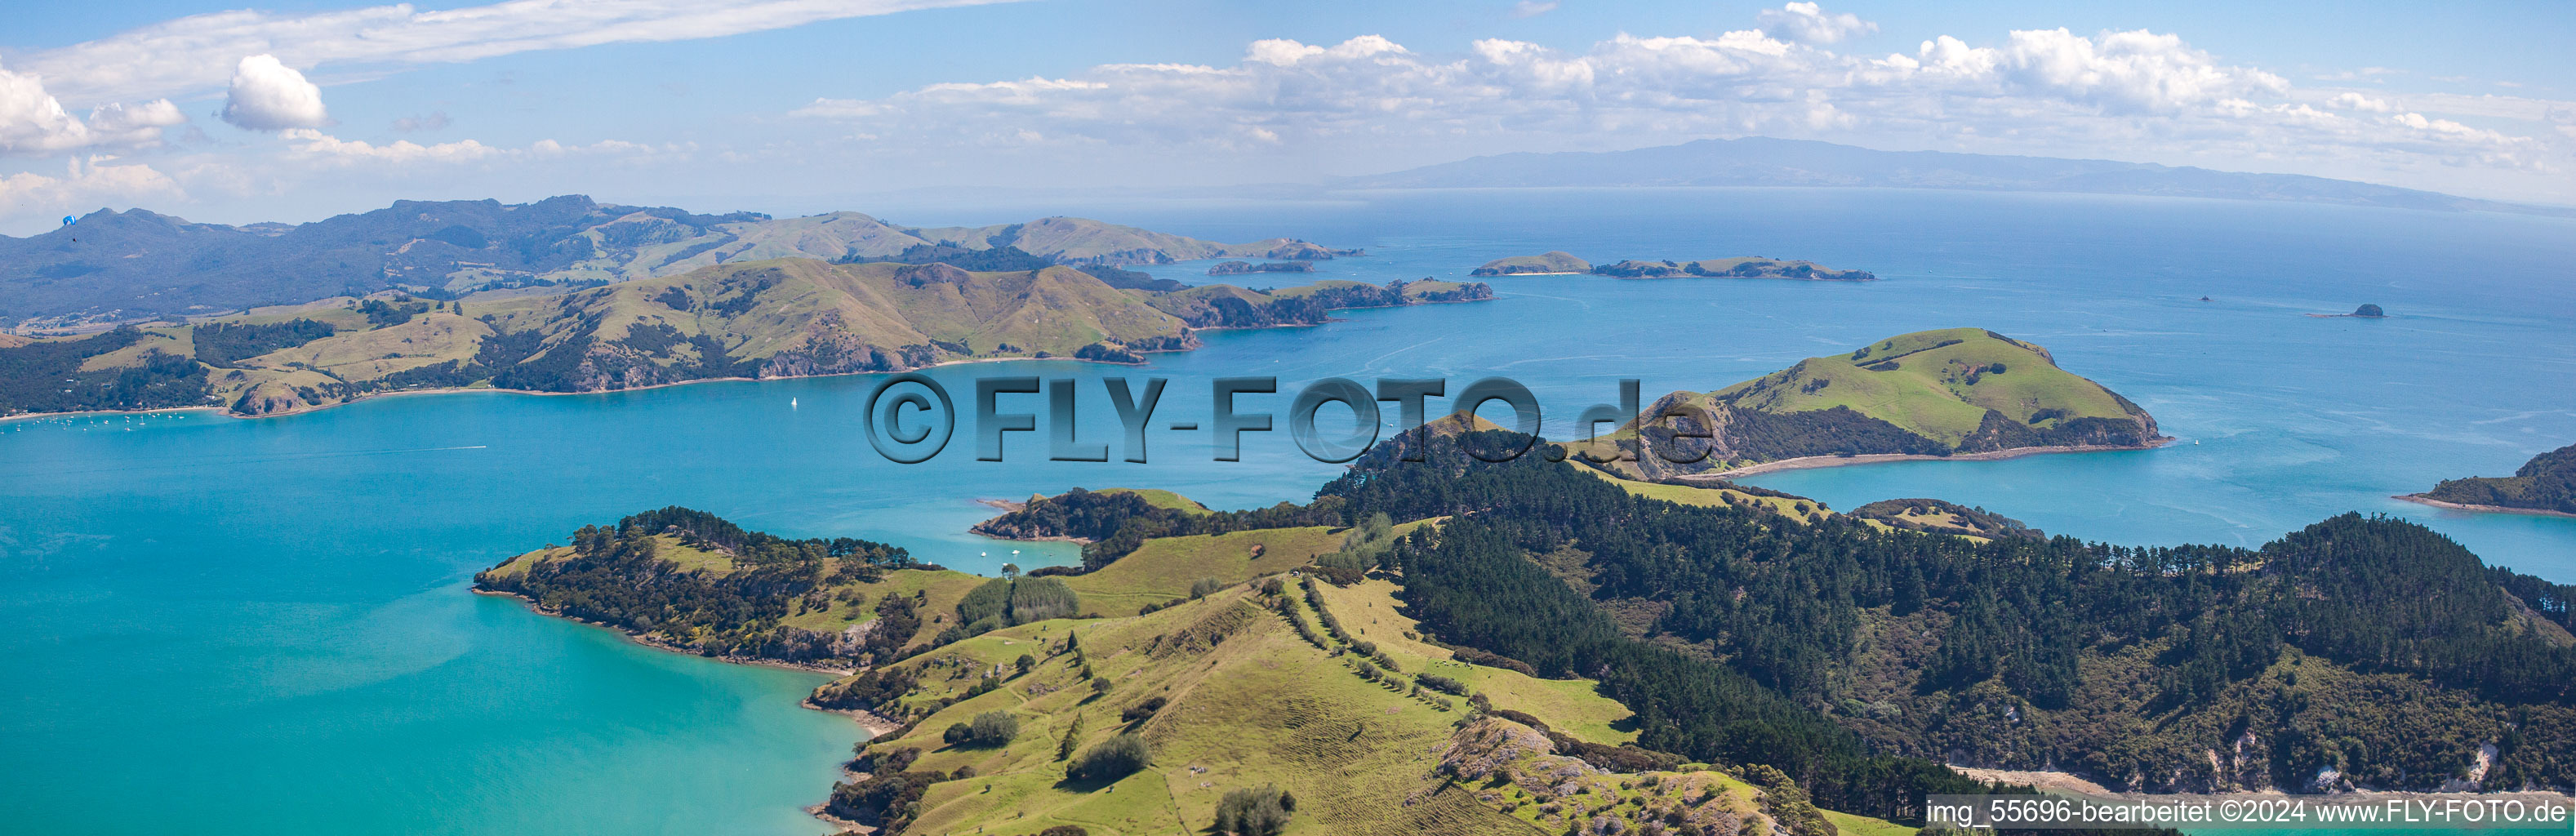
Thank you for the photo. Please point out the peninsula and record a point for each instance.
(787, 317)
(1454, 646)
(1954, 392)
(1246, 268)
(2544, 485)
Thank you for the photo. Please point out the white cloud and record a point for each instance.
(1368, 99)
(85, 184)
(318, 146)
(313, 143)
(1533, 8)
(190, 54)
(268, 95)
(1808, 23)
(33, 121)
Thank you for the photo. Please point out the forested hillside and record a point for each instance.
(2373, 650)
(2547, 483)
(1759, 633)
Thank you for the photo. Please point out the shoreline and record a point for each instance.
(453, 390)
(665, 646)
(2421, 499)
(466, 390)
(1814, 462)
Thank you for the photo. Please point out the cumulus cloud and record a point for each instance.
(85, 184)
(268, 95)
(2047, 91)
(188, 54)
(33, 121)
(1808, 23)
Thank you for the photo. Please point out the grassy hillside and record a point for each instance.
(1958, 390)
(1228, 694)
(776, 318)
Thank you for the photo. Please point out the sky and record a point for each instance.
(305, 109)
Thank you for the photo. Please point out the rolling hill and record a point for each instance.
(1542, 646)
(1233, 674)
(137, 265)
(1930, 393)
(776, 318)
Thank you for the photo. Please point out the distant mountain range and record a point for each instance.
(1761, 161)
(138, 265)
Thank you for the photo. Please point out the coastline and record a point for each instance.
(2421, 499)
(464, 390)
(658, 644)
(451, 390)
(1813, 462)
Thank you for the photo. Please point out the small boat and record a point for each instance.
(791, 403)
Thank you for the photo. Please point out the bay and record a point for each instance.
(262, 626)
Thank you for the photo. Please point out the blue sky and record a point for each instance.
(306, 109)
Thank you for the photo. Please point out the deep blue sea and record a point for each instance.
(262, 626)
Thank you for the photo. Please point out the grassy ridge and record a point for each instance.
(1957, 390)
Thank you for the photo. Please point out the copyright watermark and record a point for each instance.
(2271, 812)
(912, 417)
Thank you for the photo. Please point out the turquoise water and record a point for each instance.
(262, 626)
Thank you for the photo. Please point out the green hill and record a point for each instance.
(1552, 261)
(1960, 390)
(2546, 484)
(1542, 645)
(1246, 678)
(778, 318)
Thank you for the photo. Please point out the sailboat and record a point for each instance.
(791, 403)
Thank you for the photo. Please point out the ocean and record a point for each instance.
(263, 626)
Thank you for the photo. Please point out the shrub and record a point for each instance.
(1026, 662)
(1112, 759)
(1101, 685)
(1203, 587)
(1254, 812)
(1142, 710)
(1064, 830)
(991, 728)
(1442, 684)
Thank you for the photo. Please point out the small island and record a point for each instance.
(1550, 263)
(2364, 312)
(2544, 485)
(1246, 268)
(1753, 267)
(1558, 262)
